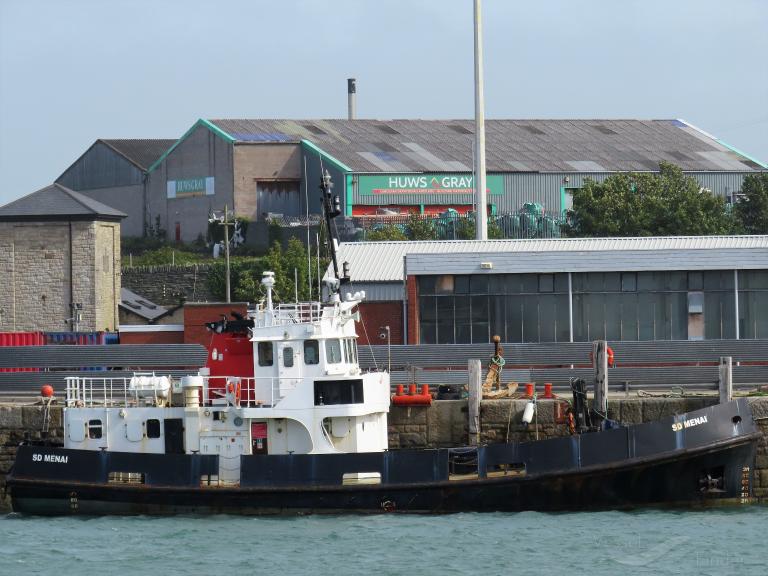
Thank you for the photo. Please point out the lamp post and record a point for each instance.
(480, 190)
(224, 221)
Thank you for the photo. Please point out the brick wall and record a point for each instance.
(377, 314)
(176, 337)
(412, 300)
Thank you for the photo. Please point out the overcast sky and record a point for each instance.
(72, 71)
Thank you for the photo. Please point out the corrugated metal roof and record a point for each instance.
(383, 261)
(139, 305)
(57, 201)
(140, 152)
(512, 145)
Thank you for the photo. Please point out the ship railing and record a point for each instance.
(298, 313)
(242, 391)
(146, 389)
(89, 392)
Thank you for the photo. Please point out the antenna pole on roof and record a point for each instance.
(332, 209)
(480, 189)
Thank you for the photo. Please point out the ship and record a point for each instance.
(282, 420)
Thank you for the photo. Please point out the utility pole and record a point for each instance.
(480, 188)
(224, 221)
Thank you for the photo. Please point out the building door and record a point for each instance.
(281, 197)
(178, 232)
(288, 367)
(258, 438)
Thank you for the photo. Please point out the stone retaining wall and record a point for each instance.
(443, 424)
(165, 284)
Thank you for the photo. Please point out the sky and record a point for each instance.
(73, 71)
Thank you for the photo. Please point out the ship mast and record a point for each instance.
(332, 209)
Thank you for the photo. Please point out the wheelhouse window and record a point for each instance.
(266, 353)
(94, 429)
(153, 428)
(311, 352)
(288, 357)
(330, 392)
(333, 351)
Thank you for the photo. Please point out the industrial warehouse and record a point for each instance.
(563, 290)
(271, 168)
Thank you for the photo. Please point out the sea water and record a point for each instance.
(700, 542)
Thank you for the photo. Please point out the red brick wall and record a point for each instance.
(413, 310)
(196, 315)
(176, 337)
(377, 314)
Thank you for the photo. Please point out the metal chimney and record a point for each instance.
(351, 101)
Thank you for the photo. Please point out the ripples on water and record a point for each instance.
(706, 542)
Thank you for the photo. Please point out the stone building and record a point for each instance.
(59, 262)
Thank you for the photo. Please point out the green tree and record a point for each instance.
(295, 266)
(752, 210)
(386, 232)
(465, 228)
(639, 204)
(420, 228)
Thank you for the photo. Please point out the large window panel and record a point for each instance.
(529, 283)
(547, 317)
(530, 318)
(646, 308)
(445, 321)
(480, 319)
(595, 316)
(563, 320)
(497, 307)
(426, 284)
(514, 318)
(428, 320)
(612, 316)
(679, 315)
(580, 332)
(629, 314)
(713, 315)
(463, 320)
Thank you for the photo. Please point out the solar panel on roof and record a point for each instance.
(387, 129)
(460, 129)
(533, 129)
(315, 129)
(603, 129)
(676, 154)
(385, 147)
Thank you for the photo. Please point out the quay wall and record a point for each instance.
(443, 424)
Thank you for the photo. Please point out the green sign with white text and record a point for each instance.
(427, 184)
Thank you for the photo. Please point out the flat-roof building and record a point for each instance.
(563, 290)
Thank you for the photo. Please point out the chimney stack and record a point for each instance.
(351, 95)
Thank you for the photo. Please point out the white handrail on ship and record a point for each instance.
(117, 392)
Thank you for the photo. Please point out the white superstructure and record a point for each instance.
(307, 396)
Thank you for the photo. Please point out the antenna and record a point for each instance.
(331, 210)
(319, 289)
(309, 246)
